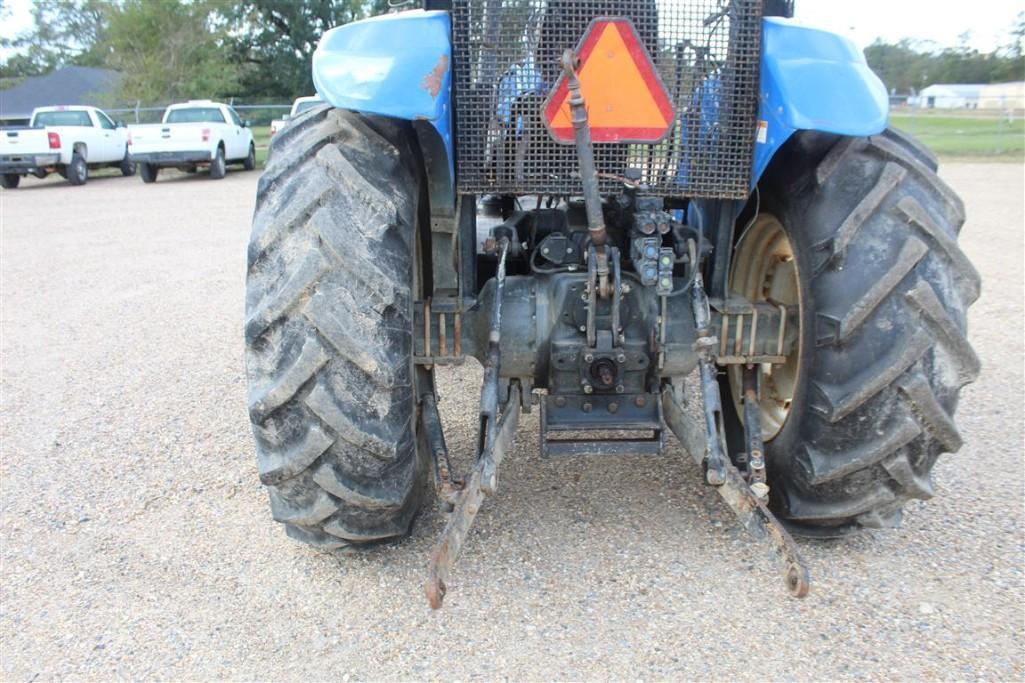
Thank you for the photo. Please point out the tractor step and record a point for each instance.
(605, 414)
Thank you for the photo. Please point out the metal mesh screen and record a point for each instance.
(506, 59)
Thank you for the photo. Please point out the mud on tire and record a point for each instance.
(885, 289)
(329, 330)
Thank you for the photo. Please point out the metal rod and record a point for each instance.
(588, 171)
(493, 438)
(590, 328)
(715, 460)
(617, 289)
(446, 485)
(585, 152)
(450, 543)
(749, 509)
(753, 432)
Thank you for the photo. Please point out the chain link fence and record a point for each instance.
(968, 123)
(257, 114)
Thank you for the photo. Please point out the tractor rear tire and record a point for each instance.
(884, 290)
(329, 315)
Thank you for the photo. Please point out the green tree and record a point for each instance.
(63, 32)
(169, 50)
(275, 39)
(907, 66)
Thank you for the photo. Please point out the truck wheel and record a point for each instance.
(865, 243)
(78, 170)
(127, 166)
(148, 172)
(9, 181)
(329, 314)
(218, 167)
(250, 163)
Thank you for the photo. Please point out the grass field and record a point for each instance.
(969, 136)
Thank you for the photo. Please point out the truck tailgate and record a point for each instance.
(22, 141)
(164, 137)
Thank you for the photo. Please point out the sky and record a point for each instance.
(988, 21)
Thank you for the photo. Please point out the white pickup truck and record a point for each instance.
(301, 105)
(193, 134)
(67, 140)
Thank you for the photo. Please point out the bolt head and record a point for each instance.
(586, 407)
(621, 358)
(560, 401)
(613, 407)
(589, 358)
(588, 388)
(583, 328)
(760, 489)
(640, 401)
(619, 389)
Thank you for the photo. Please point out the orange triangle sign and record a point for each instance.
(626, 99)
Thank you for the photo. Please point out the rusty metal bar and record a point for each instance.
(450, 543)
(442, 341)
(446, 483)
(749, 509)
(782, 329)
(753, 433)
(427, 328)
(457, 343)
(493, 438)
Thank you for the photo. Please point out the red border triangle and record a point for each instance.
(642, 61)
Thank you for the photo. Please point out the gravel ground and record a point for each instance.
(137, 542)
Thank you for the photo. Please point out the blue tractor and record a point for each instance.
(640, 217)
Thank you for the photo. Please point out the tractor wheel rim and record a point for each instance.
(765, 270)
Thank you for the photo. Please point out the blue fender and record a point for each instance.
(395, 65)
(813, 79)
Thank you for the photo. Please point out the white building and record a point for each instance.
(1003, 96)
(949, 96)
